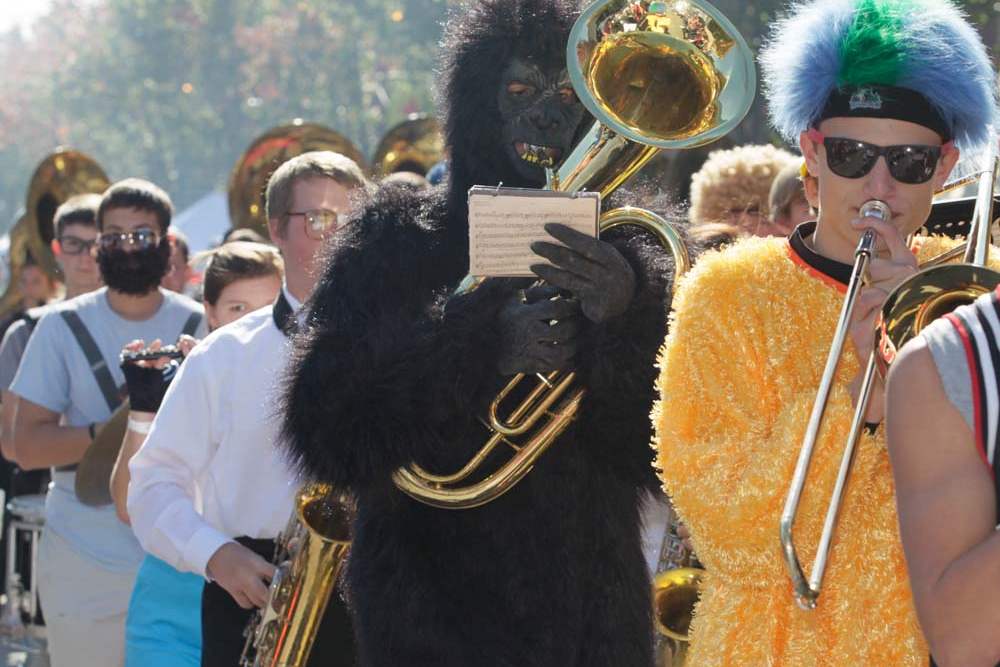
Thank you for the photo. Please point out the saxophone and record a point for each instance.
(676, 587)
(310, 554)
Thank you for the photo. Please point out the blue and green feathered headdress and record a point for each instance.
(842, 57)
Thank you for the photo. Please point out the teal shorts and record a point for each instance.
(163, 628)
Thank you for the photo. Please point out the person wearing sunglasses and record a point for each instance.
(69, 382)
(880, 95)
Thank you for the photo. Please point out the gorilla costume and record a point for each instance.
(392, 369)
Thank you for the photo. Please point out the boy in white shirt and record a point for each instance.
(210, 490)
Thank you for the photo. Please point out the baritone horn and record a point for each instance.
(310, 554)
(936, 290)
(654, 75)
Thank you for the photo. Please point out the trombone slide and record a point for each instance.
(807, 592)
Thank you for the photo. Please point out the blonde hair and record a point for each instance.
(235, 261)
(315, 164)
(736, 179)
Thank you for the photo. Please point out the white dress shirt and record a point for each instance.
(210, 469)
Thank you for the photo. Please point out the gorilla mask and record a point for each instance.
(508, 107)
(540, 113)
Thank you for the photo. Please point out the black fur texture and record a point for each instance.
(391, 369)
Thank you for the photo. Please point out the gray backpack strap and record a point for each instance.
(192, 324)
(98, 366)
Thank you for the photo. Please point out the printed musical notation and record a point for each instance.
(504, 222)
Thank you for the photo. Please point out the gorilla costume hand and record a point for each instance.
(593, 271)
(529, 340)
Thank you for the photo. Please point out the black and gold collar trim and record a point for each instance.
(830, 268)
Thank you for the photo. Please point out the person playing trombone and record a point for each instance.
(860, 85)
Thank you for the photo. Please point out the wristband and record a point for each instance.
(136, 426)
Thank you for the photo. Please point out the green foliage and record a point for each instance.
(174, 90)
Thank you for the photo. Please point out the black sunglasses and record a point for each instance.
(140, 238)
(850, 158)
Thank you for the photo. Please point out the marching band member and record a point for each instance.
(209, 489)
(395, 368)
(68, 381)
(880, 95)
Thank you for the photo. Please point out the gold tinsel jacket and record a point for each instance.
(748, 340)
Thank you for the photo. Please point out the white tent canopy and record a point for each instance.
(204, 222)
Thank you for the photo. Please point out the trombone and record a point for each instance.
(917, 301)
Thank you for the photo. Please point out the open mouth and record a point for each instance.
(543, 156)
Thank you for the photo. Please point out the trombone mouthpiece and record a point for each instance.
(875, 209)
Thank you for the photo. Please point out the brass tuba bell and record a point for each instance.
(416, 145)
(248, 180)
(655, 75)
(61, 175)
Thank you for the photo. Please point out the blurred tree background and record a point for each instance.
(174, 90)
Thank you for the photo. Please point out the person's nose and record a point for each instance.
(880, 183)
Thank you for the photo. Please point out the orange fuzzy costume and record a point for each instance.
(749, 337)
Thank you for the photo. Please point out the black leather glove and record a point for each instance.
(147, 385)
(530, 342)
(593, 271)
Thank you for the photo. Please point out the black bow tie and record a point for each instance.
(284, 316)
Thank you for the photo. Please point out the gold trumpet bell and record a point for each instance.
(655, 75)
(637, 76)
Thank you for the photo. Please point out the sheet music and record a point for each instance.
(504, 222)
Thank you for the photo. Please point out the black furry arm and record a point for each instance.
(388, 357)
(616, 363)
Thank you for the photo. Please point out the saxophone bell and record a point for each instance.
(309, 554)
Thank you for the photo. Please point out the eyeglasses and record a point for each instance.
(142, 239)
(319, 222)
(908, 163)
(72, 245)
